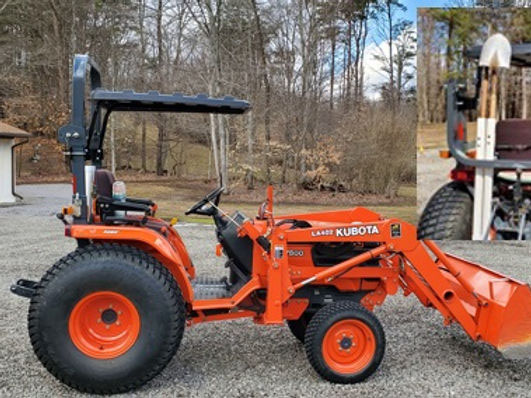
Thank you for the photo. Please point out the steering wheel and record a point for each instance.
(262, 211)
(203, 207)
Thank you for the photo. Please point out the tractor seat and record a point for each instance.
(513, 139)
(510, 176)
(103, 180)
(106, 206)
(239, 249)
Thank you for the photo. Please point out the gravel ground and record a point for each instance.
(238, 358)
(432, 173)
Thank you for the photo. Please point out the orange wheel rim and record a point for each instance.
(349, 346)
(104, 325)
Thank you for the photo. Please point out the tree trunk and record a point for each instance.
(223, 153)
(143, 148)
(209, 170)
(362, 56)
(160, 147)
(141, 18)
(391, 60)
(524, 93)
(332, 68)
(250, 143)
(267, 86)
(449, 54)
(112, 138)
(349, 61)
(160, 122)
(211, 27)
(214, 145)
(503, 95)
(425, 85)
(267, 127)
(285, 158)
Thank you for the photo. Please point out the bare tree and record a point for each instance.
(267, 85)
(207, 15)
(389, 30)
(300, 63)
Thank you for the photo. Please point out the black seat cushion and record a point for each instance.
(513, 139)
(239, 249)
(103, 180)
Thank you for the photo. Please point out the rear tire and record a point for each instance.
(448, 214)
(344, 342)
(67, 330)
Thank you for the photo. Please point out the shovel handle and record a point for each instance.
(483, 94)
(493, 94)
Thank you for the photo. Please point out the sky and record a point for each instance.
(412, 6)
(372, 66)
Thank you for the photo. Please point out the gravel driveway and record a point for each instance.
(237, 358)
(432, 173)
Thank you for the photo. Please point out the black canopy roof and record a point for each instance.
(153, 101)
(520, 54)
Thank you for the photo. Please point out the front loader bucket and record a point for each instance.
(500, 306)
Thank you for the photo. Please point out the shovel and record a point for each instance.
(495, 54)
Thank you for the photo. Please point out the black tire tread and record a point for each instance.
(448, 214)
(140, 259)
(298, 327)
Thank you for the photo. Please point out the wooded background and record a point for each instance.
(444, 35)
(316, 122)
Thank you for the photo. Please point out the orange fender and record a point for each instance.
(147, 239)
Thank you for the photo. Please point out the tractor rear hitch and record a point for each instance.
(24, 288)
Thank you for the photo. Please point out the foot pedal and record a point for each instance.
(206, 287)
(24, 288)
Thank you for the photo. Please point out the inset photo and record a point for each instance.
(474, 131)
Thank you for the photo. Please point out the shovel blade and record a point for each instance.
(496, 52)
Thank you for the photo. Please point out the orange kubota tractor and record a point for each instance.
(109, 316)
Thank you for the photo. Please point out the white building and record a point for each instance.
(8, 142)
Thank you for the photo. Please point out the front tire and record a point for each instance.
(448, 214)
(298, 327)
(344, 342)
(106, 319)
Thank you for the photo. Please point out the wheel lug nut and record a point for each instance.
(119, 312)
(118, 323)
(100, 309)
(110, 305)
(107, 326)
(98, 320)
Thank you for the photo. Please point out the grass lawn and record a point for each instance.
(433, 136)
(173, 201)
